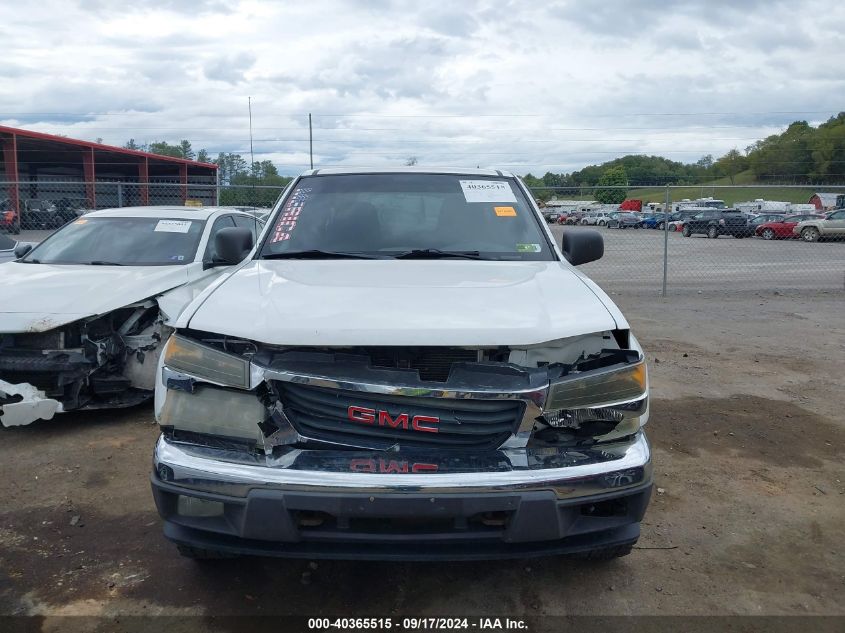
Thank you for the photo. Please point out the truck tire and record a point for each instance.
(712, 232)
(604, 553)
(198, 553)
(686, 231)
(810, 234)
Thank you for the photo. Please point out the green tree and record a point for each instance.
(131, 144)
(185, 150)
(731, 164)
(613, 177)
(203, 157)
(163, 148)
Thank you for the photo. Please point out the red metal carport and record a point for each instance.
(33, 158)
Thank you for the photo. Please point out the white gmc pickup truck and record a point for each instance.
(405, 366)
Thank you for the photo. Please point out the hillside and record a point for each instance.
(750, 189)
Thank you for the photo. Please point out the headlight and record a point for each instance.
(201, 361)
(599, 387)
(603, 403)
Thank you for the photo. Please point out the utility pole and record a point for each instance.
(310, 141)
(251, 152)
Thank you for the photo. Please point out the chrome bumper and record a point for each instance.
(569, 473)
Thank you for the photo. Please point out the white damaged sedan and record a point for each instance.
(84, 315)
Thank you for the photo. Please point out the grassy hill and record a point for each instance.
(749, 190)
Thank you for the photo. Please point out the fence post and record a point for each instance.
(120, 194)
(666, 238)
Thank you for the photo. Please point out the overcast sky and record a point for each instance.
(524, 85)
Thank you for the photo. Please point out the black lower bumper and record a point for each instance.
(405, 526)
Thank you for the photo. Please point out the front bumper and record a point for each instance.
(405, 505)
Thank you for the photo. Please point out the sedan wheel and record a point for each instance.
(810, 234)
(661, 226)
(768, 234)
(712, 232)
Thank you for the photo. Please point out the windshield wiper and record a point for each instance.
(318, 254)
(434, 253)
(100, 262)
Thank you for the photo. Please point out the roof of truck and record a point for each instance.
(461, 171)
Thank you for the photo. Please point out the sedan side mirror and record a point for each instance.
(581, 247)
(232, 244)
(21, 249)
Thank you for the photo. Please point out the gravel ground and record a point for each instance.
(748, 515)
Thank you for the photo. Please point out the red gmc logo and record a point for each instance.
(384, 466)
(365, 415)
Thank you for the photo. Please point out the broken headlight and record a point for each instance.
(201, 361)
(599, 401)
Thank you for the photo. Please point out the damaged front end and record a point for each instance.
(104, 361)
(572, 394)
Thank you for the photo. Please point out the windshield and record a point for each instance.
(6, 243)
(121, 241)
(390, 215)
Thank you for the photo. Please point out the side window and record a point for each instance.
(839, 215)
(220, 223)
(249, 222)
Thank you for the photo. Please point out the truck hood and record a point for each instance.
(410, 302)
(40, 297)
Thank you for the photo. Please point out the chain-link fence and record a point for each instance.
(662, 240)
(47, 204)
(725, 238)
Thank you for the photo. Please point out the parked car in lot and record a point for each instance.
(469, 413)
(678, 219)
(831, 227)
(595, 218)
(781, 228)
(9, 221)
(571, 217)
(7, 249)
(755, 221)
(717, 222)
(624, 221)
(654, 221)
(85, 314)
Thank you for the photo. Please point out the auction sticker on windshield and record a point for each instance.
(173, 226)
(487, 191)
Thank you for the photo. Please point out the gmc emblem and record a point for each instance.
(365, 415)
(386, 466)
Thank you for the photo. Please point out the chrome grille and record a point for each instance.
(324, 414)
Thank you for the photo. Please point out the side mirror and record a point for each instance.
(21, 249)
(232, 244)
(581, 247)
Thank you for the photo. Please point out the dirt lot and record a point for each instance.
(748, 517)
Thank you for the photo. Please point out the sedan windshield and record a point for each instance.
(412, 216)
(122, 241)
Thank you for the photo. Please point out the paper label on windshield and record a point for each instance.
(528, 248)
(505, 212)
(173, 226)
(487, 191)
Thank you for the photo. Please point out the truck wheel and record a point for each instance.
(198, 553)
(768, 234)
(712, 232)
(686, 232)
(810, 234)
(605, 553)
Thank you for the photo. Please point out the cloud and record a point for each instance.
(229, 69)
(526, 86)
